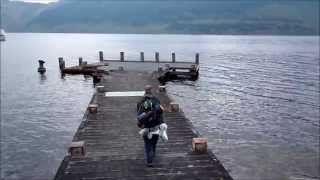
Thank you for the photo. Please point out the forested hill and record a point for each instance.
(267, 17)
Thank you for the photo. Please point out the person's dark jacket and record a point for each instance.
(149, 118)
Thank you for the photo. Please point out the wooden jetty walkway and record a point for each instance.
(113, 149)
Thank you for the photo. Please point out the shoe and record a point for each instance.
(149, 165)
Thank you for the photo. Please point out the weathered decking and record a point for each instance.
(114, 149)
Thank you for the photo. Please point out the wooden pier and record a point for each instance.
(107, 144)
(168, 70)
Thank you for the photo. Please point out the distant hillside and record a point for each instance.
(271, 17)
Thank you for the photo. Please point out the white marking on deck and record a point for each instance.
(124, 94)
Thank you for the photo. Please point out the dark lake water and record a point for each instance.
(257, 99)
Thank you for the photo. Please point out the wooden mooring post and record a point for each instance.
(122, 56)
(157, 56)
(173, 57)
(197, 58)
(142, 56)
(100, 56)
(80, 61)
(61, 63)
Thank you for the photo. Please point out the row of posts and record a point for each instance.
(173, 57)
(62, 63)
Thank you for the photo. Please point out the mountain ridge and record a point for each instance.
(164, 17)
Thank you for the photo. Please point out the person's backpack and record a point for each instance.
(145, 105)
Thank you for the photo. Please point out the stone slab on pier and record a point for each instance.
(115, 150)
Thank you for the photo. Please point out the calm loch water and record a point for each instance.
(257, 99)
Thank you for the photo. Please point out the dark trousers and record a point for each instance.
(150, 147)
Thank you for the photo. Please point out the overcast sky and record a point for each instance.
(38, 1)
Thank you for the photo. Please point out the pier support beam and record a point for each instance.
(173, 56)
(77, 149)
(197, 58)
(101, 56)
(199, 145)
(142, 56)
(121, 56)
(157, 56)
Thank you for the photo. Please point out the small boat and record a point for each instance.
(2, 35)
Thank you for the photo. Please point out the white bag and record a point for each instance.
(163, 132)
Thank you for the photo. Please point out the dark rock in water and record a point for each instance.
(41, 68)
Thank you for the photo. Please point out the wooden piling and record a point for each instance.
(157, 56)
(173, 56)
(93, 108)
(80, 61)
(101, 56)
(121, 56)
(142, 56)
(197, 58)
(61, 63)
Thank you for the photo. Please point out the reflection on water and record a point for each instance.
(260, 112)
(43, 78)
(256, 99)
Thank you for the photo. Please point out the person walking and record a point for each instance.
(149, 118)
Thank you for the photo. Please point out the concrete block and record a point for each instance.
(77, 149)
(80, 61)
(162, 88)
(174, 107)
(199, 145)
(93, 108)
(197, 58)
